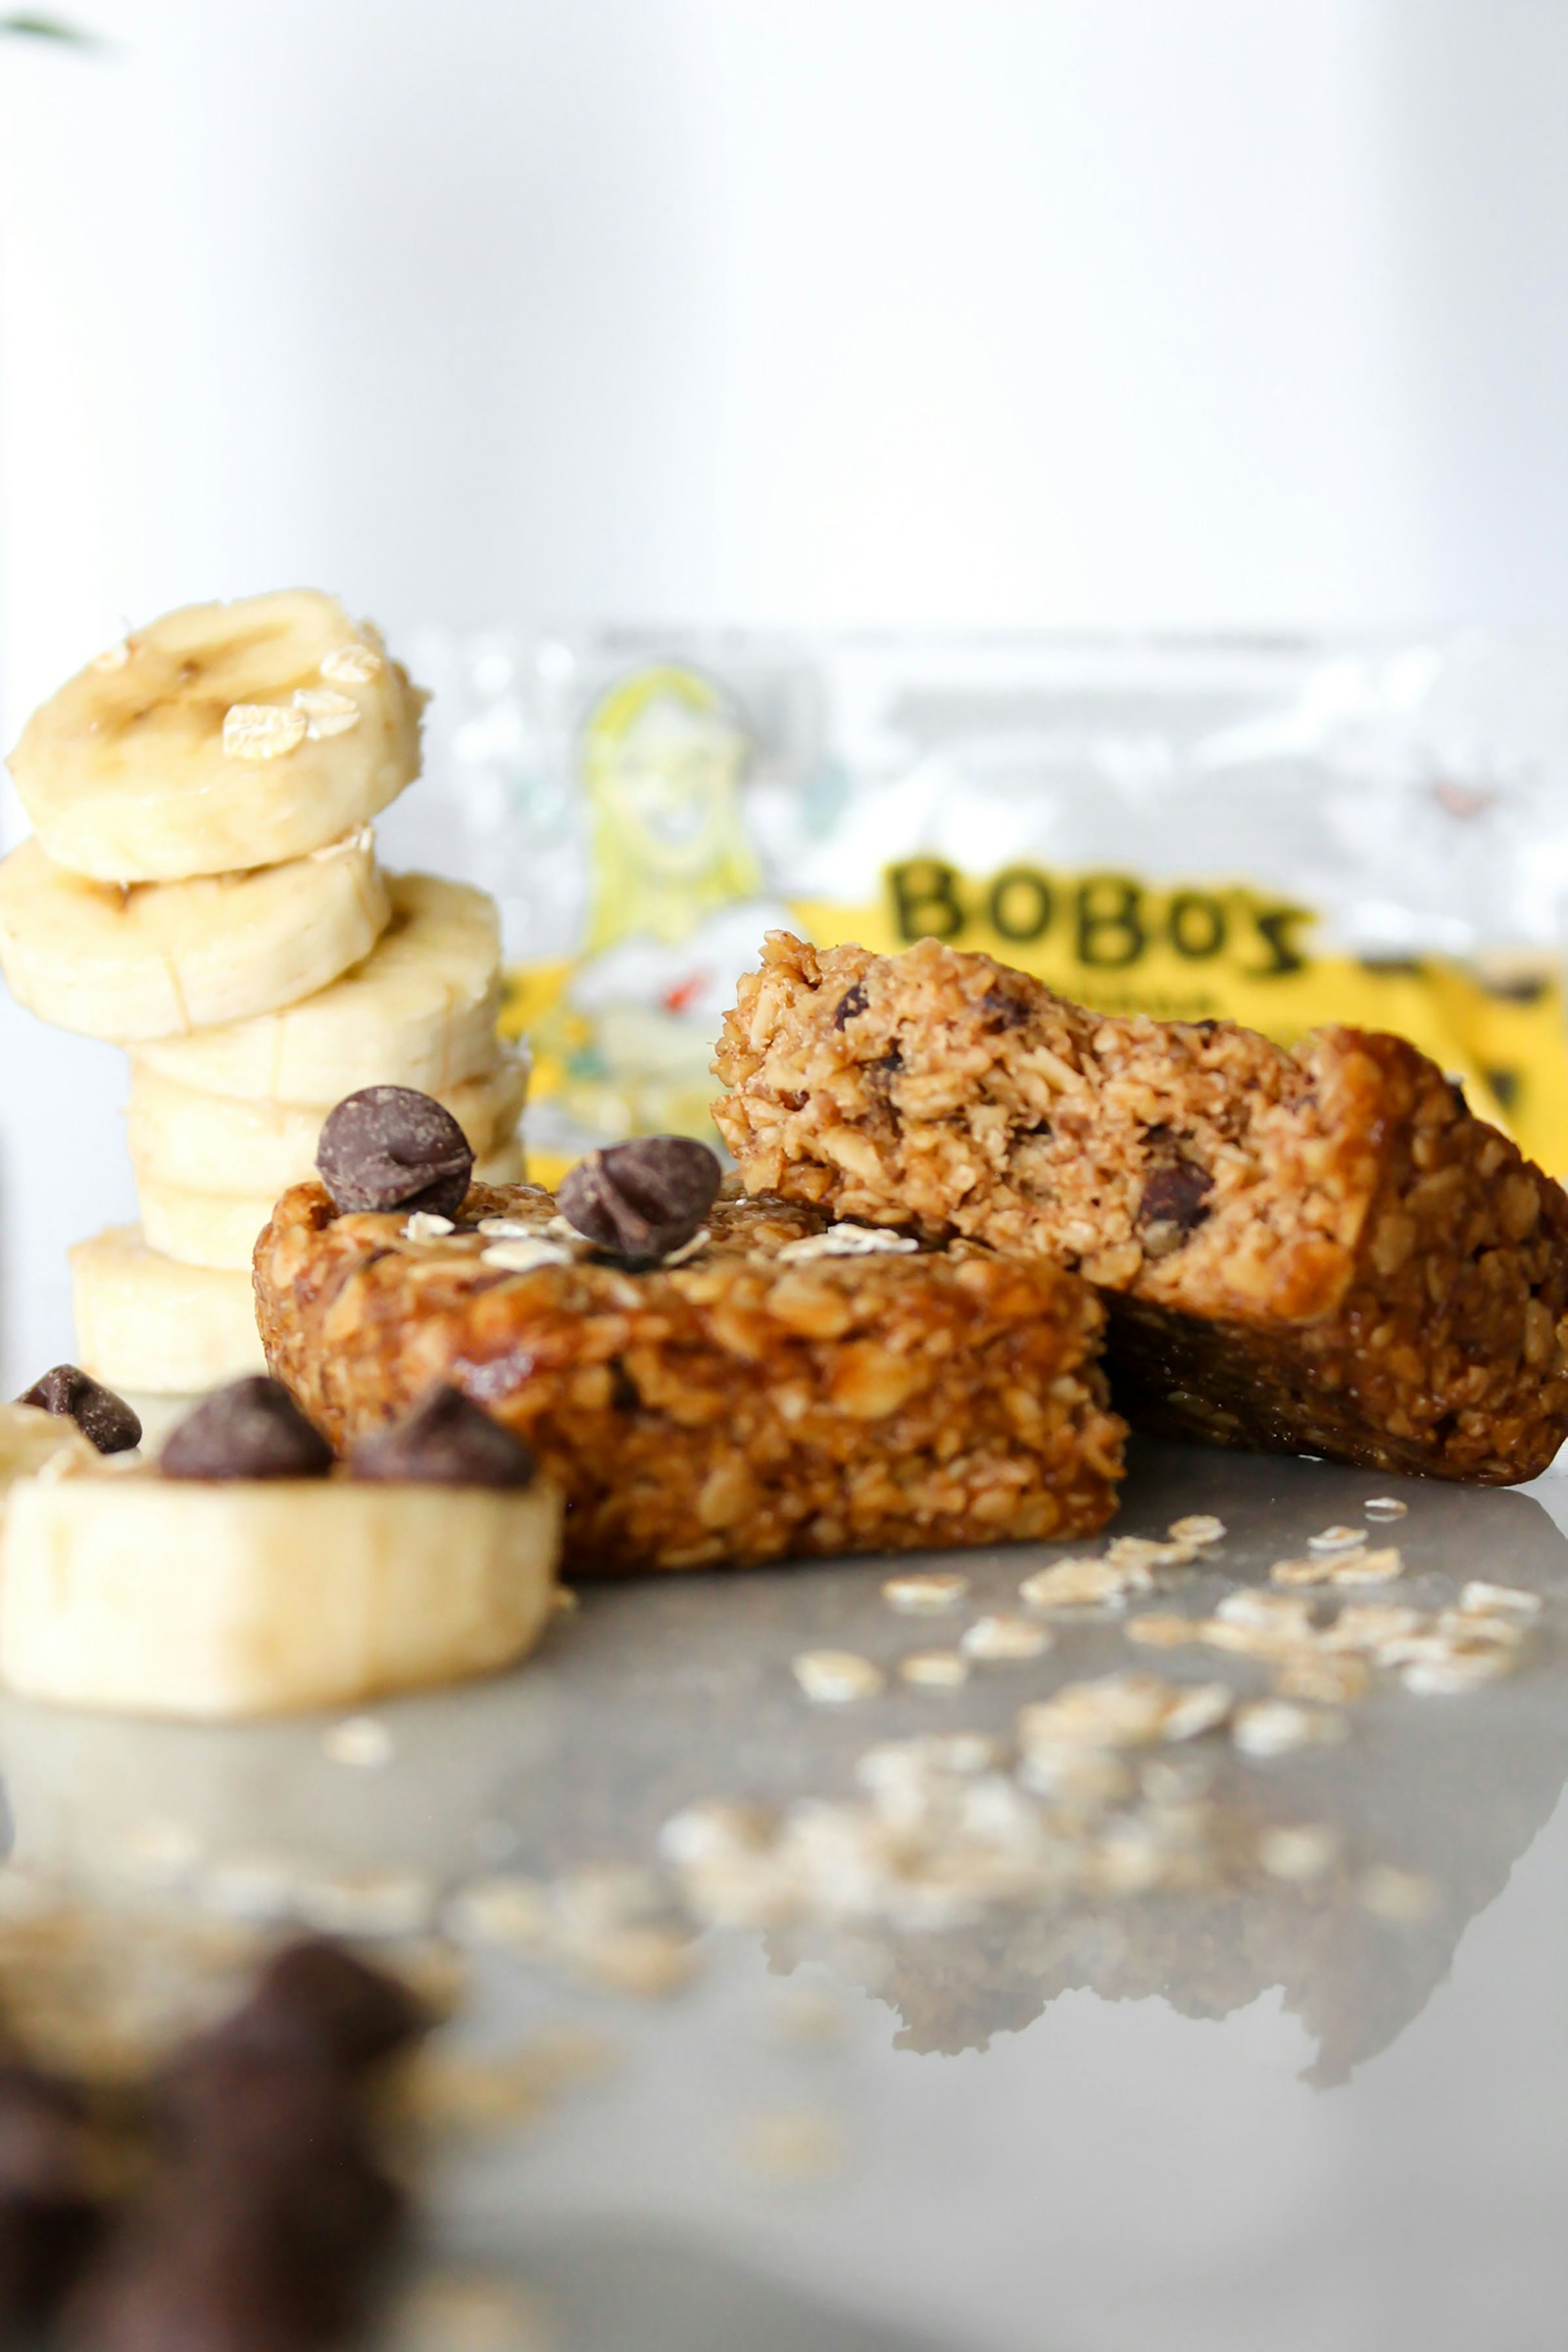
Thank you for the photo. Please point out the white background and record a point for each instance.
(1198, 311)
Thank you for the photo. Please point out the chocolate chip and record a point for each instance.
(446, 1440)
(99, 1414)
(850, 1006)
(1174, 1204)
(389, 1147)
(315, 1991)
(262, 2231)
(880, 1074)
(48, 2213)
(1003, 1012)
(252, 1429)
(644, 1198)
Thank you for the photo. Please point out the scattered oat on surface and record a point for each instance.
(1479, 1598)
(361, 1741)
(1004, 1640)
(810, 2017)
(831, 1677)
(1368, 1567)
(1277, 1727)
(1452, 1677)
(1199, 1527)
(925, 1594)
(500, 2091)
(928, 1755)
(1299, 1852)
(352, 664)
(1337, 1539)
(795, 2145)
(846, 1241)
(1300, 1572)
(1163, 1631)
(252, 1886)
(1395, 1894)
(717, 1830)
(1385, 1506)
(1322, 1679)
(1367, 1626)
(367, 1902)
(935, 1669)
(1149, 1552)
(1080, 1583)
(263, 730)
(464, 2314)
(504, 1912)
(649, 1962)
(1124, 1710)
(1273, 1612)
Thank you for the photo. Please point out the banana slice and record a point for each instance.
(221, 737)
(176, 1131)
(147, 1324)
(509, 1164)
(29, 1439)
(162, 959)
(420, 1011)
(248, 1598)
(219, 1230)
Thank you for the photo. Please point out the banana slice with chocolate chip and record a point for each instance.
(244, 1576)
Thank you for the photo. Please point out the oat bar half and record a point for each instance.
(1318, 1252)
(765, 1398)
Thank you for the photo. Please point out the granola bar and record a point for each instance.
(1318, 1252)
(770, 1397)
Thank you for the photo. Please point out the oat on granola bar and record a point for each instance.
(768, 1390)
(1320, 1250)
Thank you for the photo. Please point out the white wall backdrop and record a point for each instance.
(1075, 312)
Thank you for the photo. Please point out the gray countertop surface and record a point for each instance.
(1253, 2116)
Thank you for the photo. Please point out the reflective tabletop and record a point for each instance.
(1310, 2113)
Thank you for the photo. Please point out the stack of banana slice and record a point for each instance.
(201, 887)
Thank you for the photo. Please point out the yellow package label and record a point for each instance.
(637, 1061)
(1225, 951)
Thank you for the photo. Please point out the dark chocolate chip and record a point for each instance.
(262, 2234)
(446, 1440)
(389, 1147)
(315, 1991)
(44, 2138)
(49, 2215)
(1003, 1012)
(252, 1429)
(99, 1414)
(1175, 1199)
(625, 1396)
(850, 1006)
(880, 1074)
(642, 1200)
